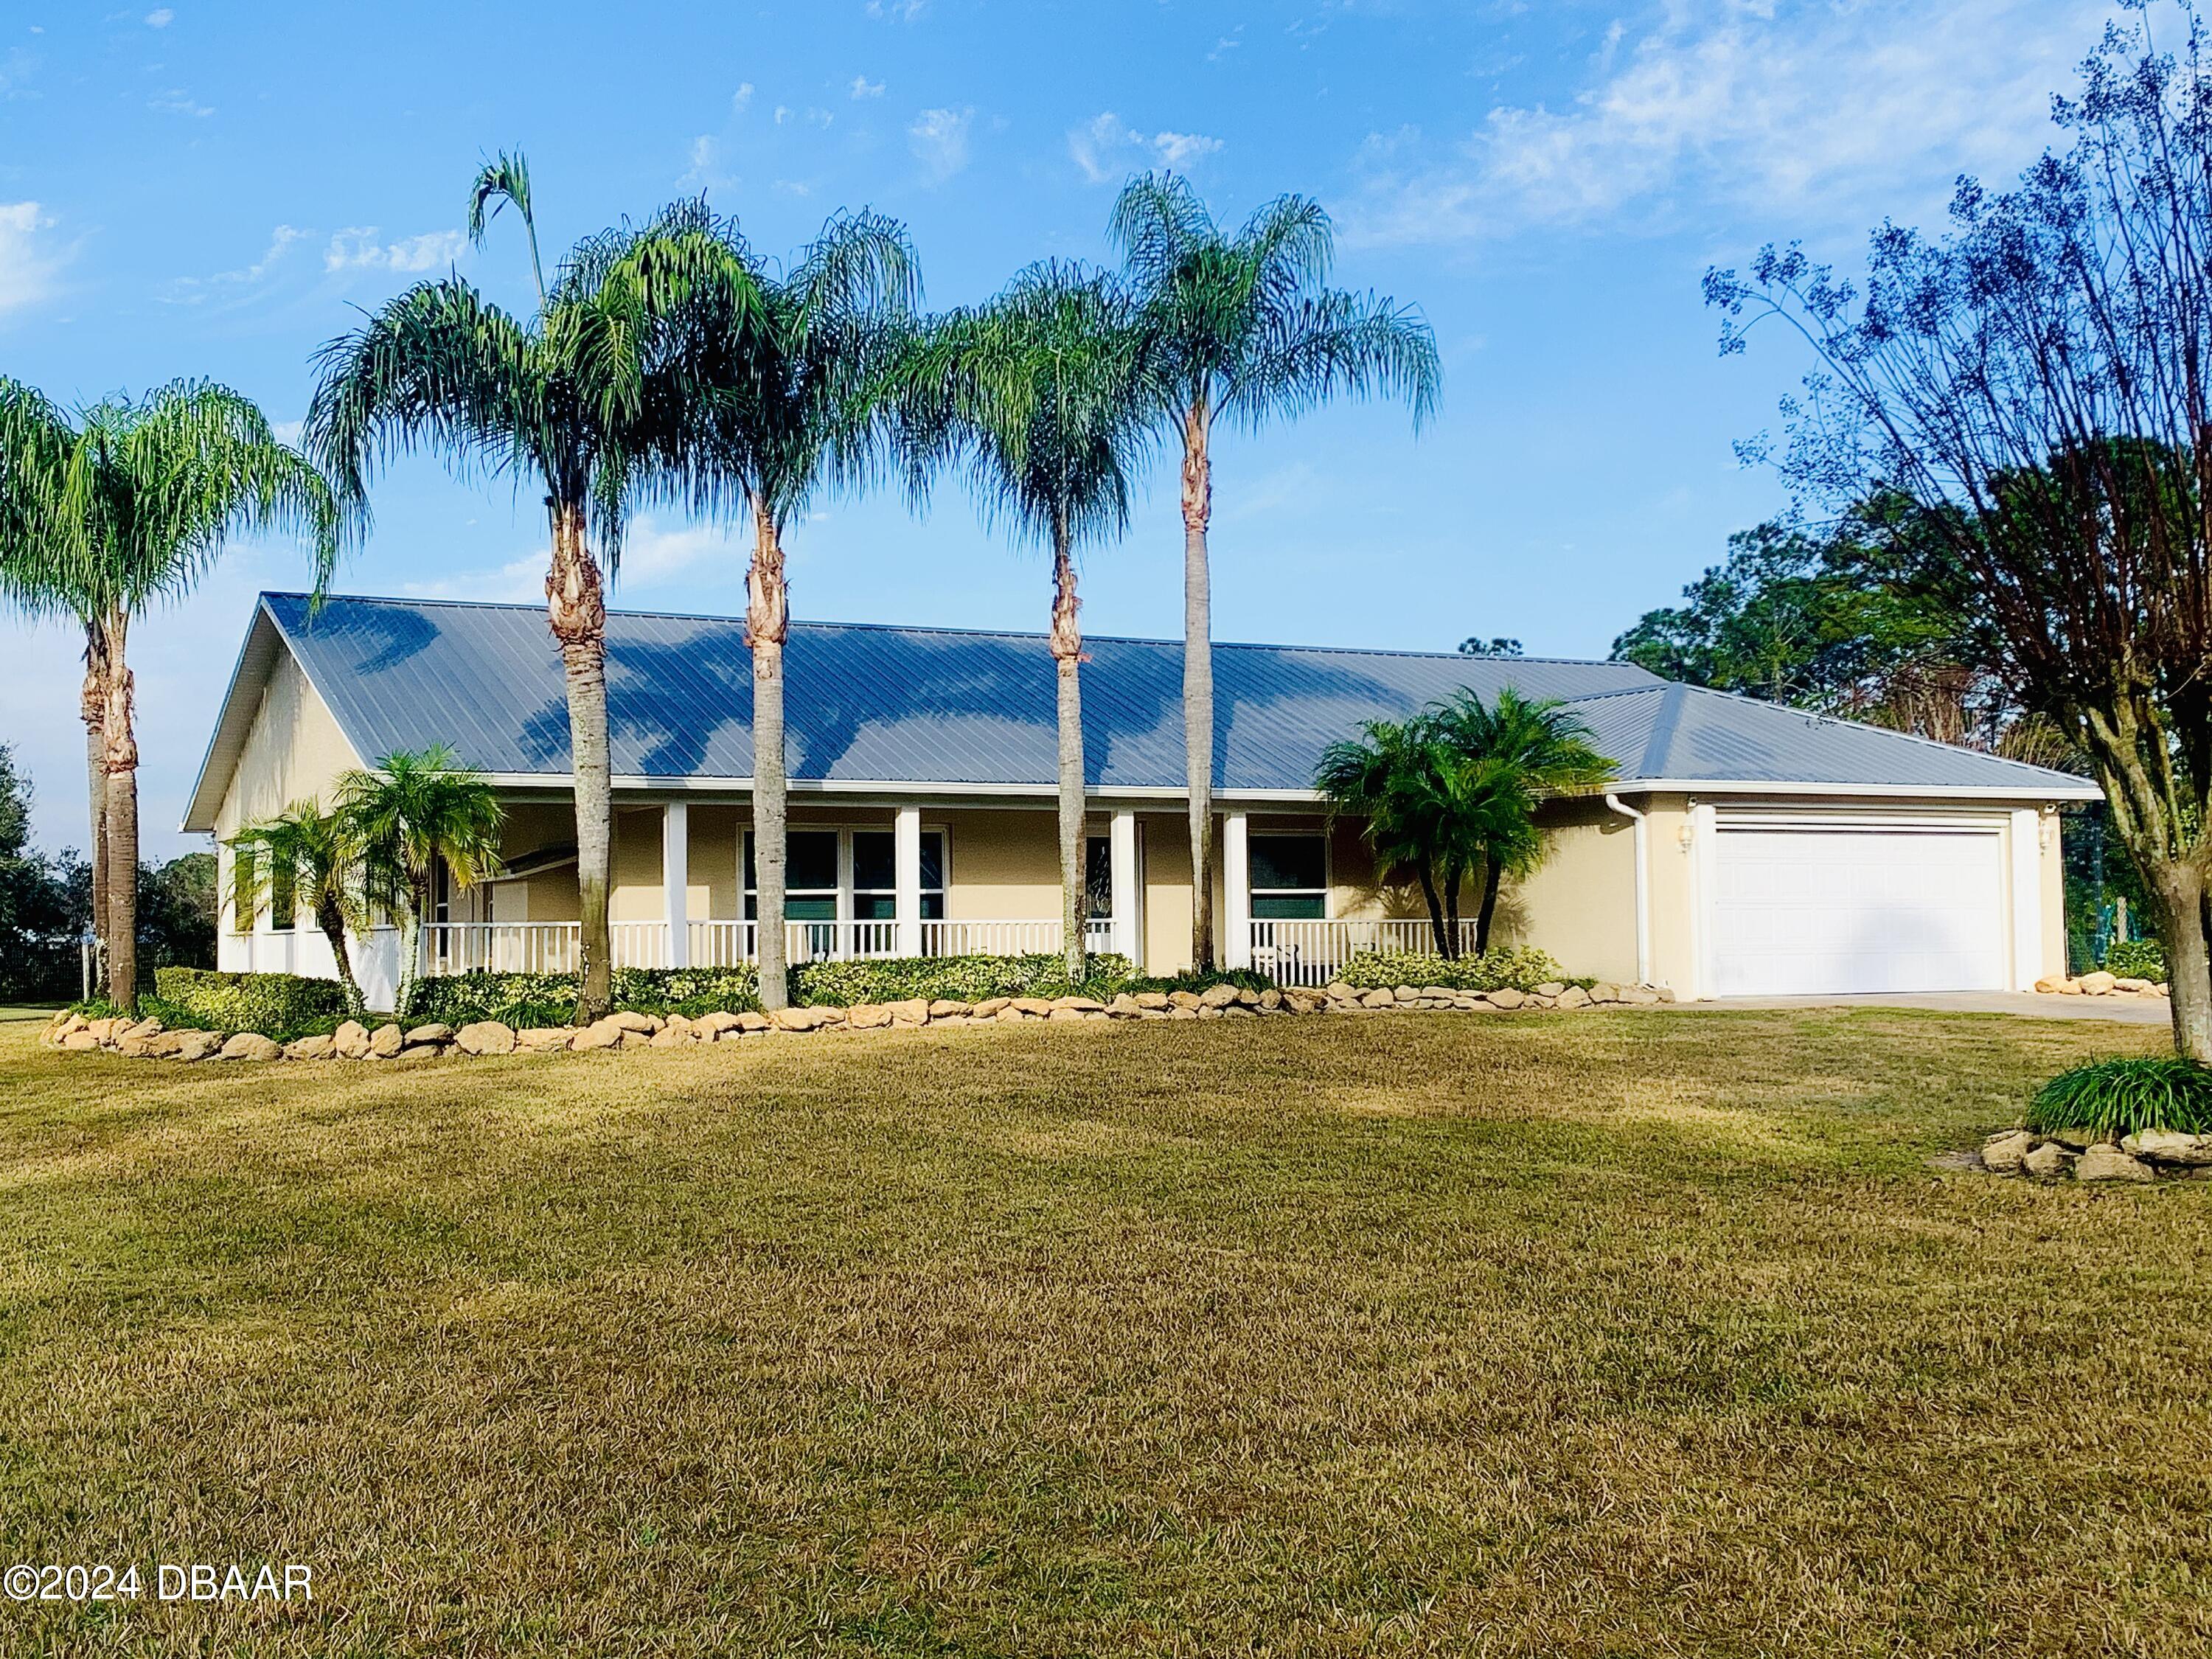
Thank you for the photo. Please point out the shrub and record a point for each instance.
(1522, 967)
(2138, 958)
(526, 999)
(2117, 1097)
(959, 979)
(279, 1006)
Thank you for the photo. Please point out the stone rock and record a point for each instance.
(1155, 1001)
(1642, 996)
(1010, 1015)
(2161, 990)
(1439, 993)
(148, 1027)
(2098, 984)
(1125, 1006)
(2003, 1153)
(165, 1046)
(990, 1007)
(63, 1024)
(1378, 999)
(712, 1026)
(196, 1045)
(1182, 998)
(2132, 987)
(629, 1019)
(1208, 1013)
(386, 1042)
(2051, 985)
(2047, 1161)
(2105, 1162)
(1505, 997)
(102, 1029)
(1574, 997)
(2076, 1139)
(350, 1040)
(1218, 996)
(1271, 998)
(132, 1047)
(1238, 1010)
(250, 1045)
(948, 1007)
(1182, 1013)
(868, 1016)
(799, 1019)
(673, 1036)
(1038, 1006)
(2169, 1147)
(599, 1034)
(435, 1031)
(910, 1010)
(485, 1036)
(751, 1021)
(418, 1051)
(1550, 987)
(1080, 1005)
(311, 1048)
(1064, 1015)
(1605, 991)
(541, 1039)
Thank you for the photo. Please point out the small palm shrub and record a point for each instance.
(1520, 967)
(2138, 958)
(2118, 1097)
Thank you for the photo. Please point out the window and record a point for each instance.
(281, 902)
(241, 890)
(1099, 878)
(810, 877)
(1290, 877)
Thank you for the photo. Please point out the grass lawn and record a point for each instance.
(1637, 1333)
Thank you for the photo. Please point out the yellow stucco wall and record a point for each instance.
(1580, 903)
(293, 751)
(1005, 865)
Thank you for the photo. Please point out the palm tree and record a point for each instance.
(126, 505)
(1243, 328)
(1389, 778)
(321, 868)
(1505, 757)
(1043, 396)
(599, 395)
(798, 389)
(403, 818)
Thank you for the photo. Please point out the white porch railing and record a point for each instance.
(553, 947)
(1312, 952)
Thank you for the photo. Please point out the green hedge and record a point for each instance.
(2138, 958)
(279, 1006)
(960, 979)
(1522, 969)
(527, 1000)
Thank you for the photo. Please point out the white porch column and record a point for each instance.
(2026, 882)
(1127, 896)
(1236, 893)
(676, 880)
(906, 876)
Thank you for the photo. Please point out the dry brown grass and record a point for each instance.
(1637, 1333)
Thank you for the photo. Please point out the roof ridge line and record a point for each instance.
(1816, 716)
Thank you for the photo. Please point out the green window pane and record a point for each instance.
(875, 907)
(1098, 876)
(933, 860)
(875, 860)
(1288, 906)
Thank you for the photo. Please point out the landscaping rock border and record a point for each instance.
(2082, 1155)
(2098, 984)
(390, 1042)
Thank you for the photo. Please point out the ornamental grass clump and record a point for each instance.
(2118, 1097)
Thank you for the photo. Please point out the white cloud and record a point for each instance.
(654, 552)
(1106, 147)
(863, 88)
(28, 264)
(160, 18)
(192, 290)
(897, 11)
(741, 97)
(706, 171)
(1833, 113)
(177, 101)
(939, 141)
(356, 248)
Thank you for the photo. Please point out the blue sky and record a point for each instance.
(204, 189)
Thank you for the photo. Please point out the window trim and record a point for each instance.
(1325, 892)
(848, 893)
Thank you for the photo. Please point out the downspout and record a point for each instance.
(1643, 886)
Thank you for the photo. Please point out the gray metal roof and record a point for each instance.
(868, 704)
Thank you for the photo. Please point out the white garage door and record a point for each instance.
(1812, 911)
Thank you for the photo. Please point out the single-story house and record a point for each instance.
(1744, 849)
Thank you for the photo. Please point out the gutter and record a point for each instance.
(1643, 886)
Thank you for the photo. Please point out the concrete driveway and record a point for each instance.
(2124, 1010)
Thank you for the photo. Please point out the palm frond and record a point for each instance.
(502, 179)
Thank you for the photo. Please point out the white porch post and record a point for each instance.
(1236, 893)
(1128, 916)
(2027, 881)
(676, 879)
(906, 876)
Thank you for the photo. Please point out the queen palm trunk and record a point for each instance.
(576, 605)
(1493, 873)
(121, 794)
(1198, 678)
(1453, 877)
(1068, 659)
(92, 707)
(1428, 880)
(767, 623)
(332, 920)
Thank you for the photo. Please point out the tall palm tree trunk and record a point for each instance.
(1067, 658)
(1198, 678)
(1491, 870)
(576, 605)
(1428, 878)
(1453, 876)
(91, 708)
(767, 623)
(120, 790)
